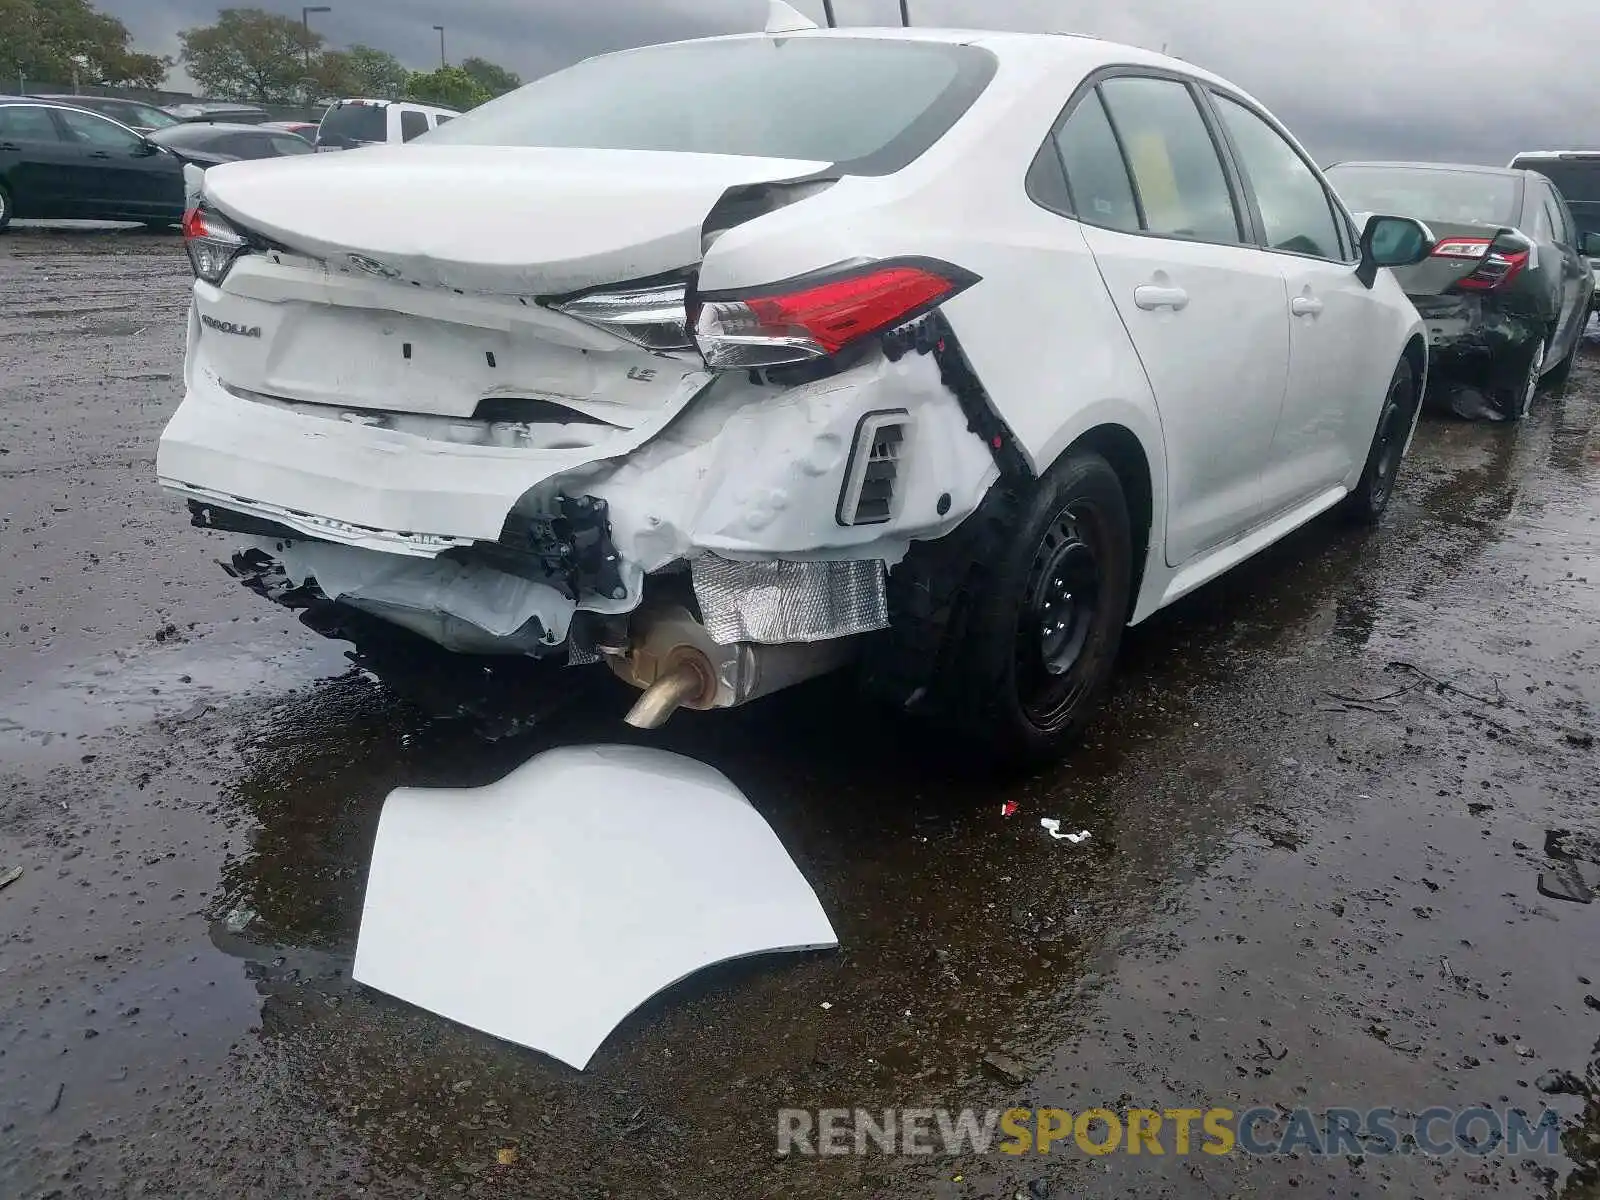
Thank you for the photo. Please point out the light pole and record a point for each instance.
(442, 61)
(305, 20)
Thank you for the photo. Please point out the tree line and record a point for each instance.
(249, 54)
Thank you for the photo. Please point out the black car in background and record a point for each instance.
(1506, 291)
(208, 145)
(1576, 174)
(135, 114)
(63, 163)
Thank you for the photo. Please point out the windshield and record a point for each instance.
(871, 105)
(146, 117)
(1429, 194)
(348, 124)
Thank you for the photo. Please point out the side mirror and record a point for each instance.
(1590, 246)
(146, 148)
(1392, 242)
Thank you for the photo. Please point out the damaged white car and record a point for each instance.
(940, 355)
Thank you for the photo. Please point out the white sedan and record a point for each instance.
(940, 355)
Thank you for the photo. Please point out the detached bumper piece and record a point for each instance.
(561, 898)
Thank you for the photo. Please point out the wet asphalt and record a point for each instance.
(1319, 803)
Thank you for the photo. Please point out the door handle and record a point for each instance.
(9, 146)
(1305, 306)
(1148, 297)
(99, 154)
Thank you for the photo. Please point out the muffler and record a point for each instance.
(674, 658)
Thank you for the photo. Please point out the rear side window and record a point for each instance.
(412, 124)
(443, 119)
(1178, 177)
(27, 123)
(1097, 177)
(285, 143)
(349, 123)
(1296, 213)
(870, 105)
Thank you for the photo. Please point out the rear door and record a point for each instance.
(1206, 311)
(1569, 269)
(117, 175)
(35, 160)
(1336, 386)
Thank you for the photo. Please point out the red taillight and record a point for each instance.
(1498, 269)
(212, 243)
(819, 316)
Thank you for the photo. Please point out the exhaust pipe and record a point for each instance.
(673, 657)
(670, 692)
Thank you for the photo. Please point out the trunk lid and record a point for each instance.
(1434, 276)
(407, 278)
(517, 221)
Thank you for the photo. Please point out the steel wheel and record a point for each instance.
(1060, 602)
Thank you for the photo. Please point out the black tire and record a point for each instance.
(1366, 503)
(1024, 689)
(1562, 371)
(1515, 401)
(5, 208)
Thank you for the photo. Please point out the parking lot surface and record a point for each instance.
(1318, 802)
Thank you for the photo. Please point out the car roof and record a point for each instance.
(1060, 50)
(195, 129)
(1442, 167)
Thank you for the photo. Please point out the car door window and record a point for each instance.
(287, 143)
(88, 129)
(1544, 217)
(1569, 227)
(1097, 177)
(412, 124)
(1296, 212)
(27, 123)
(1178, 178)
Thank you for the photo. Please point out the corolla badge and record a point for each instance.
(372, 266)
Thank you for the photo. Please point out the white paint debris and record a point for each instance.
(1054, 826)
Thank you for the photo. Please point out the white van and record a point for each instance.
(351, 123)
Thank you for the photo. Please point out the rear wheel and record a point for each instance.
(1366, 504)
(1562, 371)
(5, 208)
(1519, 399)
(1043, 634)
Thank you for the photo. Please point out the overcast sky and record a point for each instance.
(1474, 81)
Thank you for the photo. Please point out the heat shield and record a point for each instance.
(547, 906)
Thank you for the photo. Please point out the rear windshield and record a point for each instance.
(871, 105)
(1429, 194)
(1578, 181)
(354, 123)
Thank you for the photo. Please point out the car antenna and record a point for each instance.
(905, 13)
(784, 18)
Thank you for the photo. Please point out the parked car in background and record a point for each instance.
(731, 362)
(63, 163)
(1576, 174)
(207, 145)
(351, 123)
(221, 110)
(1506, 291)
(135, 114)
